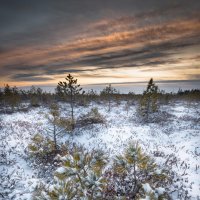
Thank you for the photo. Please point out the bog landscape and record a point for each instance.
(76, 145)
(100, 100)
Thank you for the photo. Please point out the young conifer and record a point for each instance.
(70, 88)
(79, 177)
(149, 101)
(108, 94)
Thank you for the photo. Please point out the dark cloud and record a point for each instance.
(30, 77)
(150, 55)
(145, 55)
(47, 37)
(25, 22)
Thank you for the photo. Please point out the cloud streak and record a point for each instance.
(147, 41)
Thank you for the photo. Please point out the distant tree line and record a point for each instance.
(13, 98)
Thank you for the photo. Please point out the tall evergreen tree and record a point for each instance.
(149, 101)
(70, 88)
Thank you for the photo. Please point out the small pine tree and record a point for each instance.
(79, 177)
(70, 88)
(34, 98)
(11, 96)
(57, 126)
(131, 170)
(108, 93)
(41, 148)
(7, 94)
(15, 100)
(149, 100)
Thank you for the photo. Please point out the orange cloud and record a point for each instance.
(98, 52)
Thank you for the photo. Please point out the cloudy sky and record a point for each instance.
(99, 41)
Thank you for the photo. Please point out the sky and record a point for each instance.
(99, 41)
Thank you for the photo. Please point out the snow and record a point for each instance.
(61, 170)
(160, 190)
(147, 188)
(176, 139)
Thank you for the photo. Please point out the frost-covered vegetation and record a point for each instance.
(115, 146)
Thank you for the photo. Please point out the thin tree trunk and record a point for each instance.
(72, 110)
(135, 189)
(148, 108)
(54, 136)
(109, 101)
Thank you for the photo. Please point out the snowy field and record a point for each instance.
(173, 141)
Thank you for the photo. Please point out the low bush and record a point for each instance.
(42, 149)
(134, 175)
(92, 117)
(83, 175)
(67, 124)
(79, 177)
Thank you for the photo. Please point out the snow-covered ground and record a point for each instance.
(173, 141)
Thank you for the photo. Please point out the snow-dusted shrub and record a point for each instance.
(8, 183)
(42, 156)
(67, 124)
(92, 117)
(160, 117)
(4, 153)
(62, 190)
(41, 148)
(135, 175)
(79, 177)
